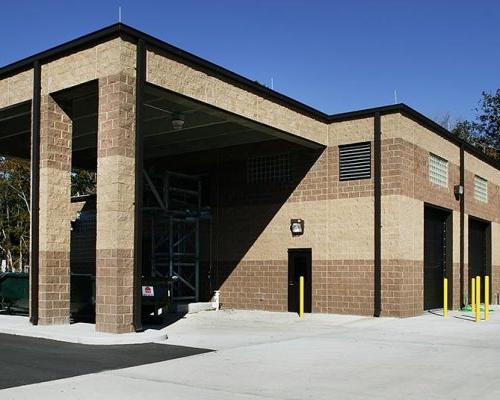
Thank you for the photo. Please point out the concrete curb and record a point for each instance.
(78, 333)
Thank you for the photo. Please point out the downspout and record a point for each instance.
(377, 153)
(140, 80)
(463, 295)
(35, 191)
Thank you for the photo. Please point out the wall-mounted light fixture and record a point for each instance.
(459, 191)
(177, 120)
(297, 227)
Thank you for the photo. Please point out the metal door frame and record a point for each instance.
(448, 250)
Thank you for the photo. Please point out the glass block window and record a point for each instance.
(355, 161)
(269, 169)
(480, 189)
(438, 170)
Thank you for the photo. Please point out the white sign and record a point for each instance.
(148, 291)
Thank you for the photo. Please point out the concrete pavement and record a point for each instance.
(276, 356)
(82, 333)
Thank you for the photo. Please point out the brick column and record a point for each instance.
(115, 204)
(54, 228)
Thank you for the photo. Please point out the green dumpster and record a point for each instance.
(14, 292)
(14, 295)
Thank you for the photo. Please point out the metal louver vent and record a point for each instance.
(355, 161)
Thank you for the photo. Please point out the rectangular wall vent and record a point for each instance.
(355, 161)
(438, 170)
(480, 189)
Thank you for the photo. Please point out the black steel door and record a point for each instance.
(478, 251)
(299, 264)
(435, 255)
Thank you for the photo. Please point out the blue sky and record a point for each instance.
(334, 56)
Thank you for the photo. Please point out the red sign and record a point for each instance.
(148, 291)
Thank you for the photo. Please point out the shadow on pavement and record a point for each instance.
(25, 360)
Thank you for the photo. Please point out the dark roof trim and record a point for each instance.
(194, 59)
(120, 29)
(55, 52)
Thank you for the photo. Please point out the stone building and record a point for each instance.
(231, 186)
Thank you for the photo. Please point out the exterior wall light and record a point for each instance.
(459, 191)
(297, 227)
(177, 121)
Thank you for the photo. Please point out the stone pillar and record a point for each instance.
(115, 204)
(55, 201)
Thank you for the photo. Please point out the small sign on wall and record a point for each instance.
(148, 291)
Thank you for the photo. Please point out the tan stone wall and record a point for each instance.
(55, 214)
(402, 228)
(252, 235)
(488, 211)
(402, 255)
(335, 229)
(16, 88)
(98, 61)
(338, 215)
(115, 204)
(352, 131)
(105, 59)
(486, 171)
(397, 126)
(409, 144)
(166, 71)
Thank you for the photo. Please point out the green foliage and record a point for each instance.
(14, 212)
(488, 124)
(465, 130)
(484, 131)
(15, 207)
(83, 182)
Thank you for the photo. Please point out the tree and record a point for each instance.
(488, 124)
(15, 209)
(83, 182)
(465, 130)
(14, 212)
(484, 131)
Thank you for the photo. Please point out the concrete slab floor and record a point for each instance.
(276, 356)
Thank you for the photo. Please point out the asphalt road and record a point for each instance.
(25, 360)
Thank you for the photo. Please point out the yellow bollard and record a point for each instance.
(473, 295)
(445, 297)
(486, 298)
(478, 298)
(301, 296)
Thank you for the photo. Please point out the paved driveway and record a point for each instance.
(25, 360)
(277, 356)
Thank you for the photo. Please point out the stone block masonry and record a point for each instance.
(115, 204)
(55, 191)
(250, 219)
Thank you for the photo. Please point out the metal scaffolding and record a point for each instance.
(175, 231)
